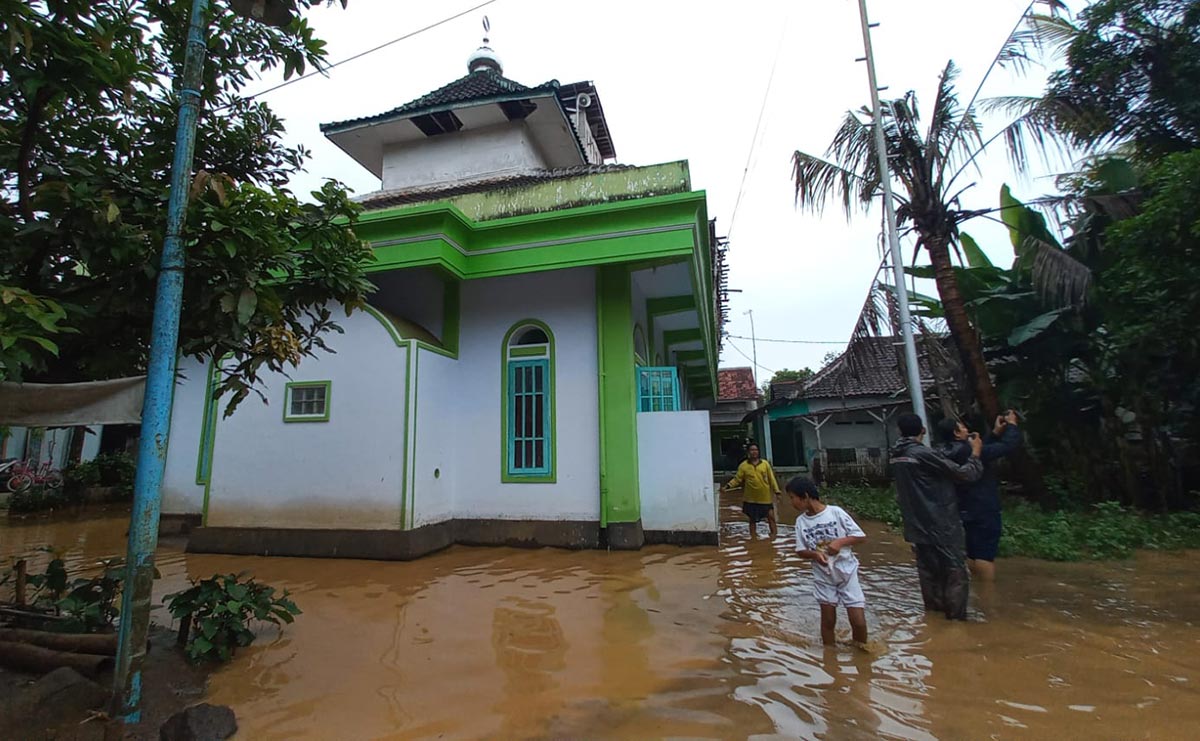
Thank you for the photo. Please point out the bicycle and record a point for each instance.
(24, 474)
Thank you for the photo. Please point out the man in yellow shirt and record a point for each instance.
(757, 482)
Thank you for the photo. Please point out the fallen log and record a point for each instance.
(37, 660)
(103, 644)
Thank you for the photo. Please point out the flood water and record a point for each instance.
(695, 643)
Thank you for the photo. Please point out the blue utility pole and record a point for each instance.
(160, 387)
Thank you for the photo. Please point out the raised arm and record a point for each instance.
(1005, 444)
(969, 471)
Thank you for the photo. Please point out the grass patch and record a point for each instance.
(1103, 531)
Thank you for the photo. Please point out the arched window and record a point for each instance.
(528, 382)
(639, 345)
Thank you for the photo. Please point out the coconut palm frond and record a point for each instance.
(1036, 129)
(818, 179)
(853, 147)
(1054, 32)
(1060, 279)
(954, 133)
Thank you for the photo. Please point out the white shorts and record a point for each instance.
(838, 584)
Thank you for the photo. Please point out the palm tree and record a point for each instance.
(925, 164)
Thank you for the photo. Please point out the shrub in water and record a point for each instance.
(215, 614)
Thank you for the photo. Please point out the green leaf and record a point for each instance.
(113, 212)
(247, 303)
(1033, 327)
(975, 256)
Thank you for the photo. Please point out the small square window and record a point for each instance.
(307, 402)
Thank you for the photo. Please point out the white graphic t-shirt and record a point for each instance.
(814, 532)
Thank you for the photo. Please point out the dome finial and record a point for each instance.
(483, 57)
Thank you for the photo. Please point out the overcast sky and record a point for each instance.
(686, 80)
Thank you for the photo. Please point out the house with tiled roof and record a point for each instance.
(738, 395)
(845, 413)
(536, 366)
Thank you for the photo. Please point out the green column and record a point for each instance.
(620, 503)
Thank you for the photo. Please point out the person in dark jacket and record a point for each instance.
(925, 488)
(979, 502)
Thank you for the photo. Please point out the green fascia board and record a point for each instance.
(685, 356)
(670, 305)
(680, 336)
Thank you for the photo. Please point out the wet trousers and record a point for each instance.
(945, 582)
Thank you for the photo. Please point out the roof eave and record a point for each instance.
(341, 127)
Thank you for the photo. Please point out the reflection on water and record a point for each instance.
(699, 643)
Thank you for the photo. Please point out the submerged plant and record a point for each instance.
(215, 614)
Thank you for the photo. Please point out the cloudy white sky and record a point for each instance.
(685, 80)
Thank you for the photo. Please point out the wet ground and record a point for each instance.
(696, 643)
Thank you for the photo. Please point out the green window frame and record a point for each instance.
(307, 401)
(658, 389)
(528, 419)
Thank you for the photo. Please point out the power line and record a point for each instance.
(796, 342)
(757, 125)
(362, 54)
(747, 357)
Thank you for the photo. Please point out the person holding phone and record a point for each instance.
(979, 501)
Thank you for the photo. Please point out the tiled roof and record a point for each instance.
(482, 84)
(876, 372)
(735, 384)
(422, 193)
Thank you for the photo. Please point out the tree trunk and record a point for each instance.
(101, 644)
(966, 339)
(970, 350)
(23, 657)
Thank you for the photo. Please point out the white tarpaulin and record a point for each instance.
(118, 401)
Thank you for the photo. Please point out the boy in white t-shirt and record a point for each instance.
(825, 533)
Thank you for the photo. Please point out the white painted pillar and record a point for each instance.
(766, 443)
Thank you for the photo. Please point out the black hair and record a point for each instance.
(910, 425)
(803, 486)
(945, 429)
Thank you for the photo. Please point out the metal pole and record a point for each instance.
(753, 347)
(885, 178)
(160, 383)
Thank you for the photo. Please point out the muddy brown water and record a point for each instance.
(691, 643)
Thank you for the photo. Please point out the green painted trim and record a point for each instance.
(670, 305)
(620, 500)
(387, 324)
(638, 358)
(416, 420)
(208, 426)
(656, 227)
(684, 356)
(528, 352)
(287, 401)
(505, 355)
(212, 455)
(408, 379)
(680, 336)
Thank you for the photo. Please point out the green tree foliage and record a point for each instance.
(87, 119)
(1131, 75)
(786, 374)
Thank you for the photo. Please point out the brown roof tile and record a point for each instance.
(736, 384)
